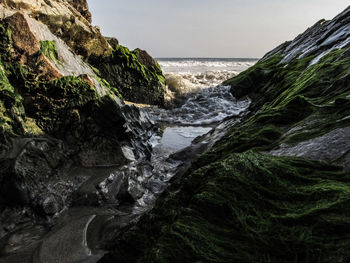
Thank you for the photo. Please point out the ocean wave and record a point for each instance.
(195, 94)
(204, 107)
(191, 64)
(203, 65)
(182, 83)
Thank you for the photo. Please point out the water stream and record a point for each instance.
(200, 101)
(83, 231)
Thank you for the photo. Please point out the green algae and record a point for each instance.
(55, 101)
(11, 108)
(237, 204)
(10, 122)
(49, 49)
(33, 107)
(130, 61)
(135, 81)
(110, 90)
(296, 94)
(248, 207)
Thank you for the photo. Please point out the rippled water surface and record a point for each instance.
(200, 101)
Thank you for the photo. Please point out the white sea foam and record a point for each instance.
(200, 98)
(202, 65)
(185, 82)
(191, 64)
(186, 75)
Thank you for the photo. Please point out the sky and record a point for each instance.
(209, 28)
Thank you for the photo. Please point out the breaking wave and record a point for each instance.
(182, 83)
(197, 99)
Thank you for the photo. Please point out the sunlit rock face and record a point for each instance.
(67, 20)
(68, 23)
(319, 40)
(48, 56)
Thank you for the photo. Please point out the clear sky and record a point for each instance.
(209, 28)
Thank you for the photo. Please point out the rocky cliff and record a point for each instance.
(276, 187)
(64, 129)
(70, 21)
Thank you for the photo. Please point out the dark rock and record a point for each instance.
(66, 138)
(135, 73)
(147, 60)
(28, 176)
(82, 7)
(112, 41)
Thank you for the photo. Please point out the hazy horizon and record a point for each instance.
(237, 58)
(220, 29)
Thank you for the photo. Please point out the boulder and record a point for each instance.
(112, 41)
(69, 20)
(53, 26)
(135, 73)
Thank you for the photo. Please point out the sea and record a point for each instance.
(199, 100)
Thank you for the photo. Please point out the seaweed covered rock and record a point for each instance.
(276, 187)
(302, 91)
(37, 67)
(135, 73)
(247, 207)
(62, 128)
(67, 140)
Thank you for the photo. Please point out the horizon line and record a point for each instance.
(207, 58)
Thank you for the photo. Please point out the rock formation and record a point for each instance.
(276, 187)
(63, 127)
(82, 7)
(70, 22)
(75, 161)
(135, 73)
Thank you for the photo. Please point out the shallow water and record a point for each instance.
(175, 138)
(203, 101)
(82, 232)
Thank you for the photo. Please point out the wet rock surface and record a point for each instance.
(275, 187)
(332, 147)
(67, 140)
(81, 179)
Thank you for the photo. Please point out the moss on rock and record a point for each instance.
(247, 207)
(239, 204)
(136, 74)
(49, 49)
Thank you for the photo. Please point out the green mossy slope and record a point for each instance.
(239, 204)
(315, 98)
(248, 207)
